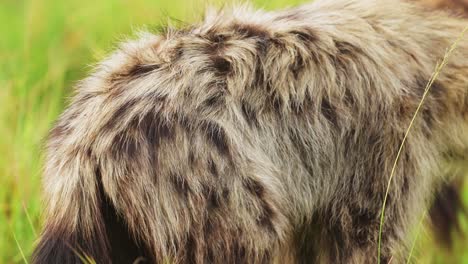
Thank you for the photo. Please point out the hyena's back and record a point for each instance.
(257, 137)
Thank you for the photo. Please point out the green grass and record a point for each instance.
(48, 45)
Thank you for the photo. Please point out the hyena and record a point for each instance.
(259, 137)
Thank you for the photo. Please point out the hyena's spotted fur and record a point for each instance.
(258, 137)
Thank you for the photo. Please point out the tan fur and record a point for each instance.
(258, 137)
(455, 6)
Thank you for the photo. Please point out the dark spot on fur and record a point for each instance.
(191, 158)
(219, 38)
(420, 82)
(438, 90)
(249, 113)
(438, 93)
(296, 106)
(58, 131)
(406, 106)
(225, 194)
(339, 249)
(216, 135)
(84, 98)
(305, 34)
(185, 123)
(428, 121)
(349, 98)
(302, 149)
(142, 69)
(266, 217)
(126, 146)
(213, 168)
(250, 30)
(260, 79)
(155, 129)
(254, 187)
(176, 53)
(405, 187)
(277, 105)
(325, 235)
(190, 249)
(329, 112)
(180, 184)
(218, 42)
(213, 200)
(89, 153)
(125, 108)
(239, 253)
(306, 241)
(116, 119)
(298, 66)
(362, 220)
(215, 100)
(221, 65)
(346, 48)
(262, 46)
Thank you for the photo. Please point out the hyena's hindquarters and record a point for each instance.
(118, 192)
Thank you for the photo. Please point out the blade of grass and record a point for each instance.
(29, 220)
(438, 69)
(418, 230)
(83, 257)
(19, 247)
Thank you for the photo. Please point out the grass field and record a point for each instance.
(45, 47)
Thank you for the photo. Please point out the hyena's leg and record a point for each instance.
(352, 238)
(349, 240)
(348, 233)
(345, 229)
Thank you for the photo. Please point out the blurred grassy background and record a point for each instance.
(45, 47)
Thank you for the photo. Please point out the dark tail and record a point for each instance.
(75, 229)
(82, 225)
